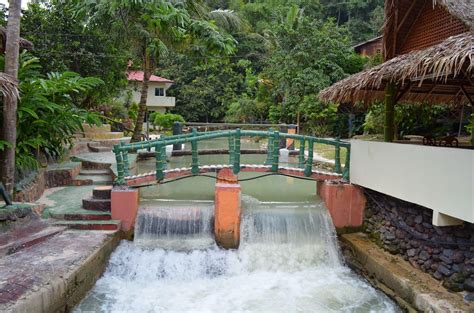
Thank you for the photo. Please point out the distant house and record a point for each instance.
(157, 100)
(371, 47)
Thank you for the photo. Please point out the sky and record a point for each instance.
(23, 3)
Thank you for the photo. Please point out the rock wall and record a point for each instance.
(47, 178)
(403, 228)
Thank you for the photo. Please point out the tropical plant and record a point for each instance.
(153, 27)
(48, 116)
(166, 120)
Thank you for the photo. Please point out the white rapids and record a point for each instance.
(288, 261)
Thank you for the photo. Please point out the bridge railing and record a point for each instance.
(306, 143)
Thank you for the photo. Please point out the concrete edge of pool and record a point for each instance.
(413, 289)
(62, 270)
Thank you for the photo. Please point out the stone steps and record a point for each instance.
(91, 224)
(93, 179)
(91, 204)
(103, 135)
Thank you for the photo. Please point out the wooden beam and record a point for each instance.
(406, 15)
(467, 96)
(402, 92)
(402, 42)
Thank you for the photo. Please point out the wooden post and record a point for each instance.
(120, 166)
(337, 157)
(390, 100)
(472, 130)
(126, 164)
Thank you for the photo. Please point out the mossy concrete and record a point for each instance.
(412, 288)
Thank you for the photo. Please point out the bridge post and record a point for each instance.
(345, 202)
(194, 152)
(124, 206)
(227, 212)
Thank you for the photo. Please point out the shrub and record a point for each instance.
(165, 121)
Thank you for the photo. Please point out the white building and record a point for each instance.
(156, 98)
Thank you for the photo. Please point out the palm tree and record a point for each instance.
(7, 168)
(151, 27)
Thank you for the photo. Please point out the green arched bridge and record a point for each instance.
(304, 168)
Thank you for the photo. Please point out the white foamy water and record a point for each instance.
(288, 261)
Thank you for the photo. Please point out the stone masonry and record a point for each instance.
(447, 253)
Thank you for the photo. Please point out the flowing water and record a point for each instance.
(288, 259)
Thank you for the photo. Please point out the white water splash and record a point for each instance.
(288, 261)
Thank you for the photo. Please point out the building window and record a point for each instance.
(159, 92)
(379, 51)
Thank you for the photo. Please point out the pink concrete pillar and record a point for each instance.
(227, 212)
(125, 206)
(345, 202)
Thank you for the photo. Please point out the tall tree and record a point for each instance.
(12, 50)
(152, 27)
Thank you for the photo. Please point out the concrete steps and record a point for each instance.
(91, 224)
(91, 204)
(87, 215)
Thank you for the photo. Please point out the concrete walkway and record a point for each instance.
(54, 275)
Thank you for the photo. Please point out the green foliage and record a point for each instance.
(319, 117)
(133, 111)
(165, 121)
(63, 44)
(470, 125)
(48, 117)
(410, 119)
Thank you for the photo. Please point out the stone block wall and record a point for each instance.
(447, 253)
(47, 178)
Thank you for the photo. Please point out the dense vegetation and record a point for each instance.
(234, 61)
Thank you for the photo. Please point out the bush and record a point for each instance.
(165, 121)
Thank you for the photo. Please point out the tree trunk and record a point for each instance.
(12, 50)
(142, 105)
(389, 127)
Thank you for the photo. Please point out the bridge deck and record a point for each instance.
(150, 177)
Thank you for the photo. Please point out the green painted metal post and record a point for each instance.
(160, 175)
(163, 153)
(236, 165)
(194, 152)
(276, 151)
(301, 154)
(231, 150)
(126, 164)
(347, 170)
(120, 166)
(308, 170)
(269, 159)
(337, 157)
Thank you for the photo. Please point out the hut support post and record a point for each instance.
(472, 131)
(390, 100)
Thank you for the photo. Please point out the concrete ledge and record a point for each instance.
(399, 279)
(55, 275)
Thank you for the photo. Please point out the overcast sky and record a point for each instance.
(23, 2)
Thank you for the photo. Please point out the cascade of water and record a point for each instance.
(288, 261)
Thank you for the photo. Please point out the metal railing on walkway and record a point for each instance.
(306, 143)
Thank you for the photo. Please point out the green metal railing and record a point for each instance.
(234, 137)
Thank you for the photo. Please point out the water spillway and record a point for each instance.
(288, 261)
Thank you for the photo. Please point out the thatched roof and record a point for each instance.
(462, 9)
(24, 44)
(441, 73)
(8, 85)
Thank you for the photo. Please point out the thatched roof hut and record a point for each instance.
(439, 74)
(429, 53)
(24, 44)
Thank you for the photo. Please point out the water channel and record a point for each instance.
(288, 260)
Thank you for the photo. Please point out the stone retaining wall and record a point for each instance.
(403, 228)
(47, 178)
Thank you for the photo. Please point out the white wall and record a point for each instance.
(438, 178)
(155, 103)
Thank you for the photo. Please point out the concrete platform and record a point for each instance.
(410, 287)
(54, 275)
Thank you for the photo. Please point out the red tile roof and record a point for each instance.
(138, 76)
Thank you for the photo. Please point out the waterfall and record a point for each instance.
(288, 261)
